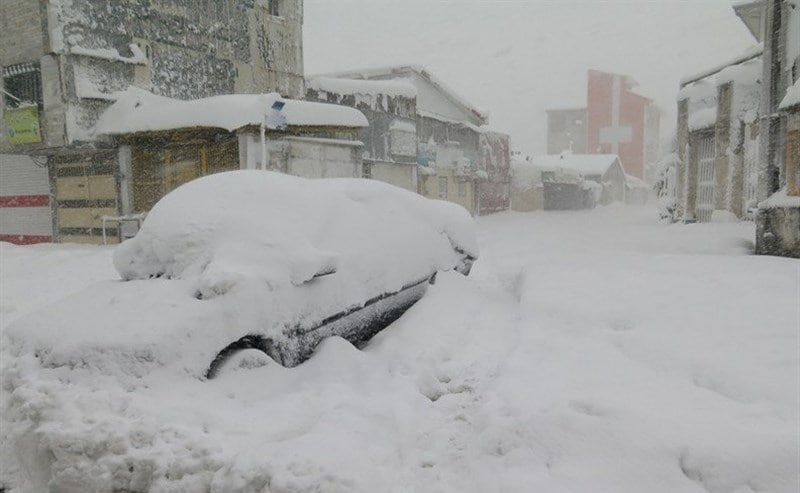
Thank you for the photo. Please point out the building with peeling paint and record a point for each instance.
(458, 157)
(62, 62)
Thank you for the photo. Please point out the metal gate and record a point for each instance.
(750, 174)
(706, 157)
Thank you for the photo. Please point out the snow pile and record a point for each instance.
(353, 87)
(792, 97)
(589, 351)
(780, 199)
(136, 110)
(703, 119)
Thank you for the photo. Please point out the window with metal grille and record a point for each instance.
(706, 157)
(22, 84)
(443, 187)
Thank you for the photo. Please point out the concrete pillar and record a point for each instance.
(125, 179)
(682, 138)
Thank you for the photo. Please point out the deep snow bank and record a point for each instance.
(589, 351)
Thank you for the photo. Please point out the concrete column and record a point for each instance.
(125, 164)
(683, 157)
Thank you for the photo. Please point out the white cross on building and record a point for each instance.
(616, 134)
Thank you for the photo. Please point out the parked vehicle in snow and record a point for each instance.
(257, 260)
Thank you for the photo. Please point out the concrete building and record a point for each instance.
(778, 214)
(621, 122)
(567, 130)
(63, 62)
(615, 121)
(390, 140)
(458, 158)
(718, 138)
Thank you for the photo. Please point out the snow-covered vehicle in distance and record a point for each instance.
(253, 260)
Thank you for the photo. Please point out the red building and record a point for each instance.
(618, 120)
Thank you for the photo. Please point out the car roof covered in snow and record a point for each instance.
(137, 110)
(585, 164)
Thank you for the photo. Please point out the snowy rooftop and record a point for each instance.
(748, 54)
(792, 96)
(400, 72)
(585, 164)
(136, 110)
(394, 88)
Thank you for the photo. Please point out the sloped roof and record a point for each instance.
(402, 71)
(585, 164)
(137, 110)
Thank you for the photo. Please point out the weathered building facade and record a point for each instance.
(717, 140)
(63, 62)
(390, 141)
(778, 214)
(458, 158)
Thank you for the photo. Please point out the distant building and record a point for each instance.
(567, 130)
(604, 170)
(545, 186)
(63, 62)
(621, 122)
(616, 121)
(458, 158)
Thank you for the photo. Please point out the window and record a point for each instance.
(22, 83)
(462, 188)
(549, 176)
(443, 187)
(275, 7)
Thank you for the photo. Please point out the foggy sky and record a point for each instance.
(517, 58)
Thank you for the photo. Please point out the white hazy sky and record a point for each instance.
(515, 58)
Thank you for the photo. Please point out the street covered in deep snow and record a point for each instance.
(588, 351)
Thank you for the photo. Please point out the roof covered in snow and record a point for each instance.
(136, 110)
(792, 97)
(403, 72)
(585, 164)
(749, 54)
(393, 88)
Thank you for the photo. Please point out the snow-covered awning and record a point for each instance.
(136, 110)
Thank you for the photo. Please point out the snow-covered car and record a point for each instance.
(253, 260)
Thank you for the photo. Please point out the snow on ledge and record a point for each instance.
(137, 110)
(703, 119)
(111, 54)
(780, 199)
(792, 97)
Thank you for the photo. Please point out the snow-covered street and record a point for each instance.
(589, 351)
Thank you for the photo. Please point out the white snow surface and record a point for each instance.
(589, 351)
(137, 110)
(585, 164)
(792, 97)
(392, 88)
